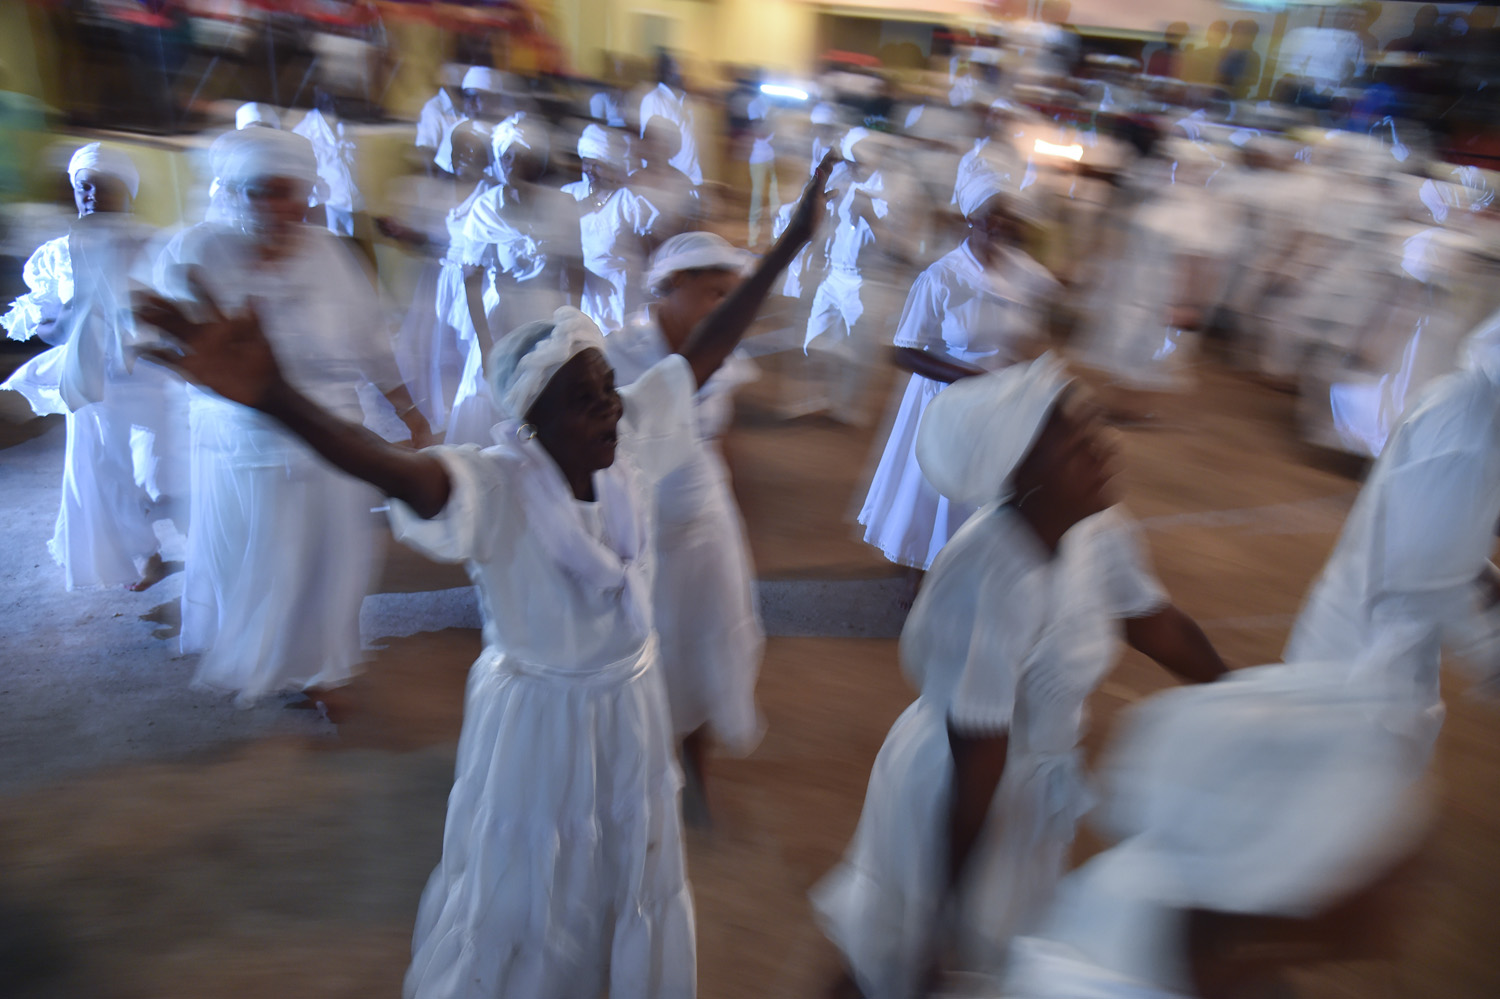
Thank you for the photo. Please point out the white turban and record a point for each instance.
(267, 152)
(483, 78)
(693, 251)
(525, 359)
(824, 114)
(106, 160)
(256, 114)
(602, 144)
(1278, 790)
(444, 155)
(978, 430)
(522, 131)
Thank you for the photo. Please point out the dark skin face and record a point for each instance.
(694, 294)
(273, 205)
(992, 231)
(577, 419)
(471, 155)
(1068, 474)
(602, 177)
(99, 192)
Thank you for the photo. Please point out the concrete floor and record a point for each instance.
(156, 842)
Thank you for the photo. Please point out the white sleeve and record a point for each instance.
(478, 493)
(1000, 648)
(1131, 588)
(659, 425)
(921, 325)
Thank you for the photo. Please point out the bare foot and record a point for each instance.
(154, 572)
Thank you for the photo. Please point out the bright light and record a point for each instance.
(776, 90)
(1073, 152)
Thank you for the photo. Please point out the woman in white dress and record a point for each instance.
(116, 418)
(706, 616)
(1263, 822)
(562, 871)
(667, 188)
(974, 796)
(441, 346)
(615, 230)
(281, 550)
(978, 308)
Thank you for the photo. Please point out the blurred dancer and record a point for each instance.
(1200, 899)
(335, 150)
(562, 870)
(670, 100)
(117, 466)
(974, 796)
(703, 592)
(281, 550)
(765, 199)
(666, 187)
(1414, 552)
(221, 204)
(615, 227)
(439, 113)
(977, 309)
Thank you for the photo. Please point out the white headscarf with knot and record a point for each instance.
(525, 359)
(106, 160)
(267, 152)
(521, 131)
(979, 180)
(602, 144)
(692, 251)
(978, 430)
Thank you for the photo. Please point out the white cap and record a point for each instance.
(693, 251)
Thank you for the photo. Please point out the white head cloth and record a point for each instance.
(979, 180)
(1276, 791)
(693, 251)
(824, 114)
(107, 160)
(444, 155)
(267, 152)
(978, 430)
(602, 144)
(1482, 348)
(255, 113)
(522, 131)
(525, 359)
(483, 78)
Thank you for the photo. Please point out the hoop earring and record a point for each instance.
(525, 432)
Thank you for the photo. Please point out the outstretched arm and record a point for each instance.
(1173, 639)
(230, 355)
(932, 365)
(713, 339)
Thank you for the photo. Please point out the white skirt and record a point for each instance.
(281, 553)
(884, 905)
(903, 515)
(562, 874)
(430, 346)
(704, 599)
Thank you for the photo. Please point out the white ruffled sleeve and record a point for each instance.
(1131, 588)
(659, 428)
(1004, 638)
(921, 325)
(480, 501)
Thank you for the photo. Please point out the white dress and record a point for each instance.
(662, 100)
(531, 235)
(957, 310)
(1001, 639)
(433, 120)
(610, 235)
(1415, 544)
(562, 869)
(336, 168)
(48, 274)
(281, 551)
(704, 594)
(839, 303)
(436, 348)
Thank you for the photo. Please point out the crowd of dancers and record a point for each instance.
(544, 407)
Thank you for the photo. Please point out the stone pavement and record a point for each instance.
(156, 842)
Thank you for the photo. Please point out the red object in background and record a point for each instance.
(850, 58)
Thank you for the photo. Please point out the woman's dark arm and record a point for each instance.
(930, 365)
(1173, 639)
(713, 339)
(978, 765)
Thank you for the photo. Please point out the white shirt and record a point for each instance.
(49, 275)
(662, 100)
(335, 152)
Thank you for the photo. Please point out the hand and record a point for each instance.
(229, 355)
(805, 216)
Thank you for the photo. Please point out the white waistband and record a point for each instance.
(618, 672)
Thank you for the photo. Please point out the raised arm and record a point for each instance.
(229, 355)
(720, 331)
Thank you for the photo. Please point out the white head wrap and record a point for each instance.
(824, 114)
(692, 251)
(525, 359)
(1276, 791)
(107, 160)
(522, 131)
(483, 78)
(255, 113)
(444, 155)
(979, 180)
(602, 144)
(978, 430)
(267, 152)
